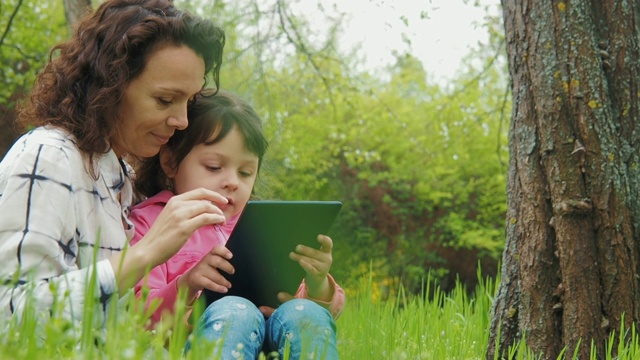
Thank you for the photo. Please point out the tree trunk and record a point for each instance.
(570, 265)
(74, 10)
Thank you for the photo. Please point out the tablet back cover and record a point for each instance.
(265, 234)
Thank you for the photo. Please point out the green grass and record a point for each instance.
(444, 326)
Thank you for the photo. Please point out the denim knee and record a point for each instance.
(307, 328)
(234, 325)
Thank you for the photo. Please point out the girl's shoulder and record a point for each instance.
(158, 200)
(148, 209)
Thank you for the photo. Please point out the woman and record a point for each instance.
(118, 88)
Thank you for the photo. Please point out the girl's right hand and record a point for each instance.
(206, 273)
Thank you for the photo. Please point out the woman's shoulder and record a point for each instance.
(51, 135)
(42, 145)
(44, 137)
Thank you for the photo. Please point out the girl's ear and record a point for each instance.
(166, 163)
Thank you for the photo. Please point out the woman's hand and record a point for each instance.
(316, 264)
(206, 273)
(181, 216)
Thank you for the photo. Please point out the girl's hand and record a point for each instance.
(206, 273)
(282, 297)
(266, 311)
(316, 264)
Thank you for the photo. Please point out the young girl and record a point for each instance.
(222, 150)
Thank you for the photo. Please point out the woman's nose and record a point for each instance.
(179, 118)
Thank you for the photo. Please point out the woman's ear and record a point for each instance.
(167, 163)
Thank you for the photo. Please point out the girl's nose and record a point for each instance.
(231, 182)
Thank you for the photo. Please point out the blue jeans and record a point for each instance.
(236, 329)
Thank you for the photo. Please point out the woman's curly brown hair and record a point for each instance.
(86, 76)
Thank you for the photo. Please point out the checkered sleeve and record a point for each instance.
(38, 235)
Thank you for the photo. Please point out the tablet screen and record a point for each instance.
(265, 234)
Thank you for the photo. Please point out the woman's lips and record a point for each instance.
(162, 139)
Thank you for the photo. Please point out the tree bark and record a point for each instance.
(570, 265)
(74, 10)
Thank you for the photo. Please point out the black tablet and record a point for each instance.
(266, 232)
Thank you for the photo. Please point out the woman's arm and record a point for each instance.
(155, 286)
(55, 216)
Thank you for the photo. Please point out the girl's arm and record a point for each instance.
(336, 302)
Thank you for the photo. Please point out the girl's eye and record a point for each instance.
(246, 173)
(213, 168)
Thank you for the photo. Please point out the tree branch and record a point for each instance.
(13, 15)
(301, 47)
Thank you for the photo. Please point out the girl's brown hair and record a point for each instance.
(208, 116)
(79, 88)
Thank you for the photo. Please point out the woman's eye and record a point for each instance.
(213, 168)
(165, 102)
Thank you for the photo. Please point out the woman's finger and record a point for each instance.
(204, 194)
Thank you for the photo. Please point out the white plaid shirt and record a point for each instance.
(52, 213)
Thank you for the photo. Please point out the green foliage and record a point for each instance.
(31, 28)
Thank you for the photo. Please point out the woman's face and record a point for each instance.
(154, 104)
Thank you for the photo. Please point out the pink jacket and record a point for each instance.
(162, 280)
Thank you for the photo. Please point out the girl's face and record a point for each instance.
(226, 167)
(154, 104)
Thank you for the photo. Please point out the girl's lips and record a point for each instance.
(226, 206)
